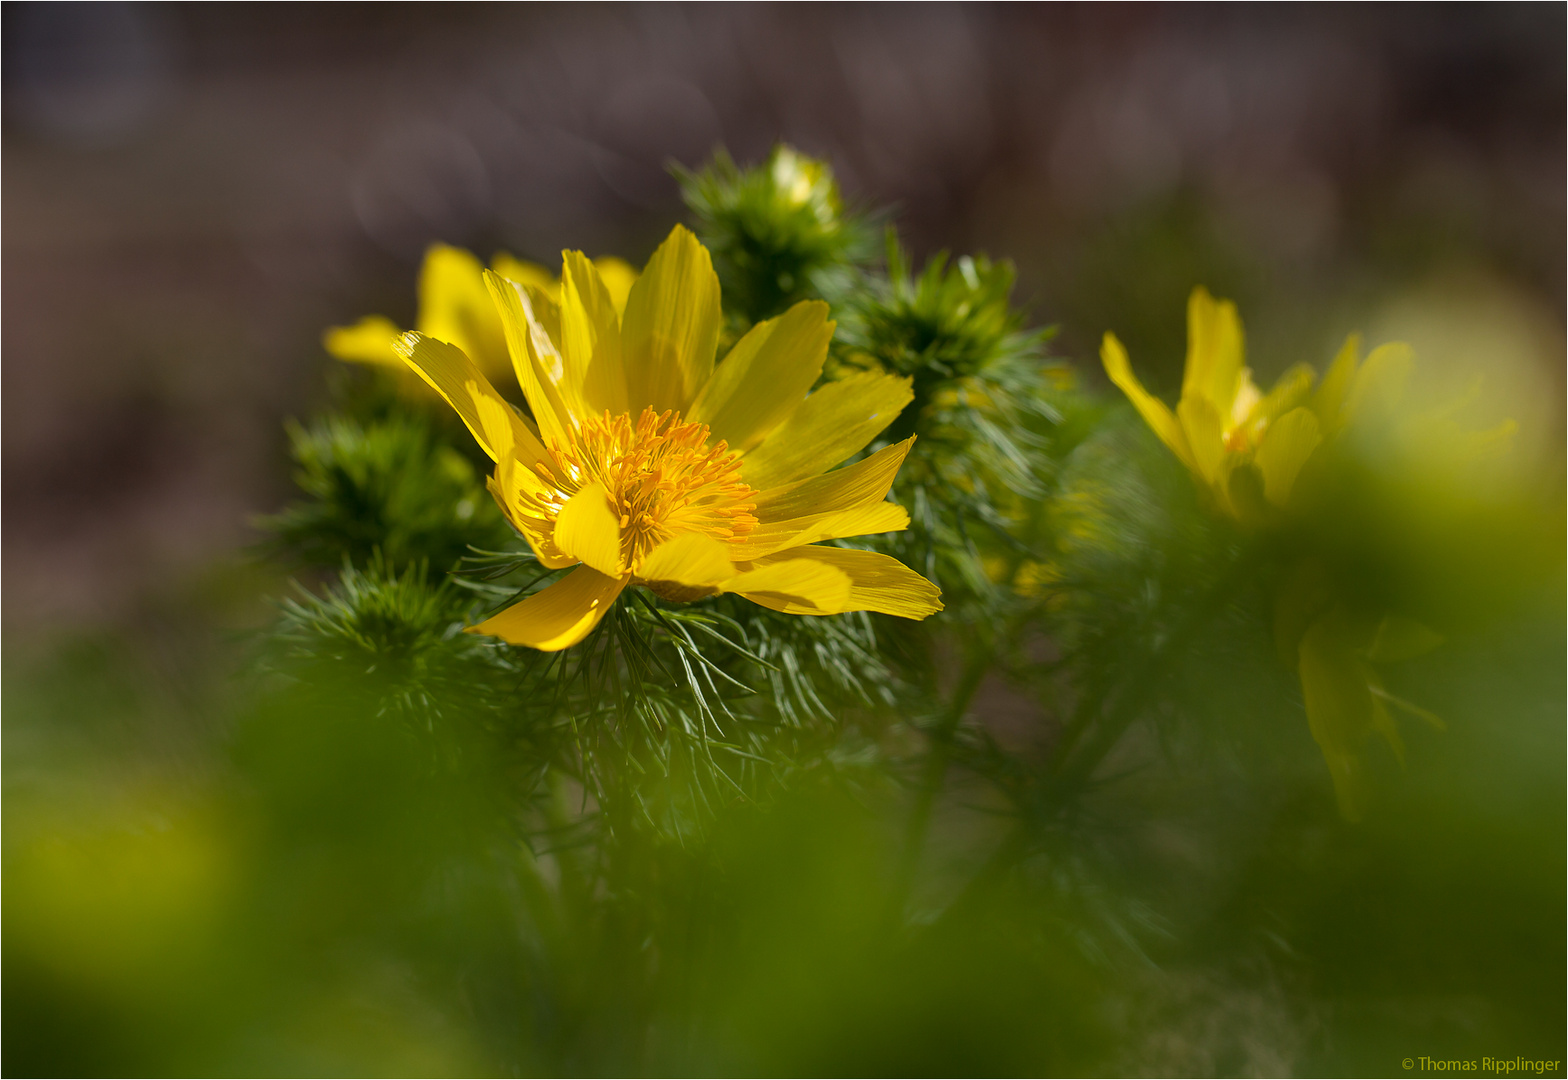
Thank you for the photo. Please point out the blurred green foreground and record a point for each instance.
(1077, 824)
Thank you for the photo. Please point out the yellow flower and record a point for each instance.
(1245, 447)
(455, 307)
(646, 464)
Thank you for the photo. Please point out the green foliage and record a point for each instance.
(778, 233)
(385, 485)
(670, 711)
(950, 324)
(375, 613)
(1075, 824)
(989, 408)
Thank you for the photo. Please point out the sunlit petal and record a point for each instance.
(590, 338)
(690, 559)
(795, 586)
(868, 519)
(830, 425)
(587, 528)
(863, 482)
(559, 616)
(456, 378)
(528, 317)
(877, 582)
(671, 329)
(765, 376)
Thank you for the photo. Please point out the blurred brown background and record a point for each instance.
(192, 193)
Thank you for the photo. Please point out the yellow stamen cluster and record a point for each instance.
(662, 476)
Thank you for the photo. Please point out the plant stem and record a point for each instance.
(1066, 773)
(941, 737)
(1072, 770)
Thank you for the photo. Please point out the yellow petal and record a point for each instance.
(1329, 401)
(1155, 413)
(1216, 352)
(796, 586)
(1380, 381)
(456, 378)
(671, 329)
(830, 425)
(1339, 712)
(537, 530)
(865, 520)
(1202, 427)
(588, 528)
(517, 464)
(453, 307)
(525, 273)
(590, 339)
(877, 582)
(618, 276)
(866, 481)
(369, 341)
(519, 491)
(559, 616)
(1290, 391)
(1286, 446)
(528, 318)
(765, 376)
(689, 559)
(517, 486)
(1398, 638)
(496, 421)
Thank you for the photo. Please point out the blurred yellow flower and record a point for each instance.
(1247, 449)
(455, 307)
(1244, 446)
(646, 464)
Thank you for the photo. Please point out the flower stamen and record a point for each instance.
(662, 477)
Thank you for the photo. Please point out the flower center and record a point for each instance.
(1239, 434)
(663, 479)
